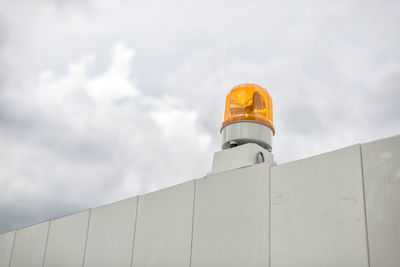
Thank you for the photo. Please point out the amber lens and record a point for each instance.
(248, 102)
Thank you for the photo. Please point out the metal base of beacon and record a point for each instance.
(243, 132)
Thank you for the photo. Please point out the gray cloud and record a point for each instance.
(383, 101)
(101, 101)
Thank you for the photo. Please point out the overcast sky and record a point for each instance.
(103, 100)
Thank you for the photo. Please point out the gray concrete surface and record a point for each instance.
(381, 162)
(30, 246)
(231, 218)
(164, 227)
(67, 240)
(6, 244)
(111, 233)
(317, 211)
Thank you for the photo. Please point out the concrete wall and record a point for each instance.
(317, 211)
(110, 234)
(231, 222)
(30, 246)
(336, 209)
(381, 167)
(164, 227)
(6, 246)
(67, 240)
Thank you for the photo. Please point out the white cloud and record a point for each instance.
(114, 84)
(100, 139)
(179, 123)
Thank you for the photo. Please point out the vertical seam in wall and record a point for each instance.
(12, 248)
(191, 238)
(87, 236)
(47, 241)
(269, 216)
(365, 205)
(134, 228)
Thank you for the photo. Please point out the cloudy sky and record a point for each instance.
(103, 100)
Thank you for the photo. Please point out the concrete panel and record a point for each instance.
(6, 244)
(110, 236)
(66, 242)
(164, 227)
(381, 162)
(30, 245)
(317, 211)
(231, 218)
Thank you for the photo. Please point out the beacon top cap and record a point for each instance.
(248, 102)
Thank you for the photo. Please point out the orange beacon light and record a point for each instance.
(248, 117)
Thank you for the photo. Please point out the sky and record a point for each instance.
(104, 100)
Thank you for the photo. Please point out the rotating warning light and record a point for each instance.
(248, 102)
